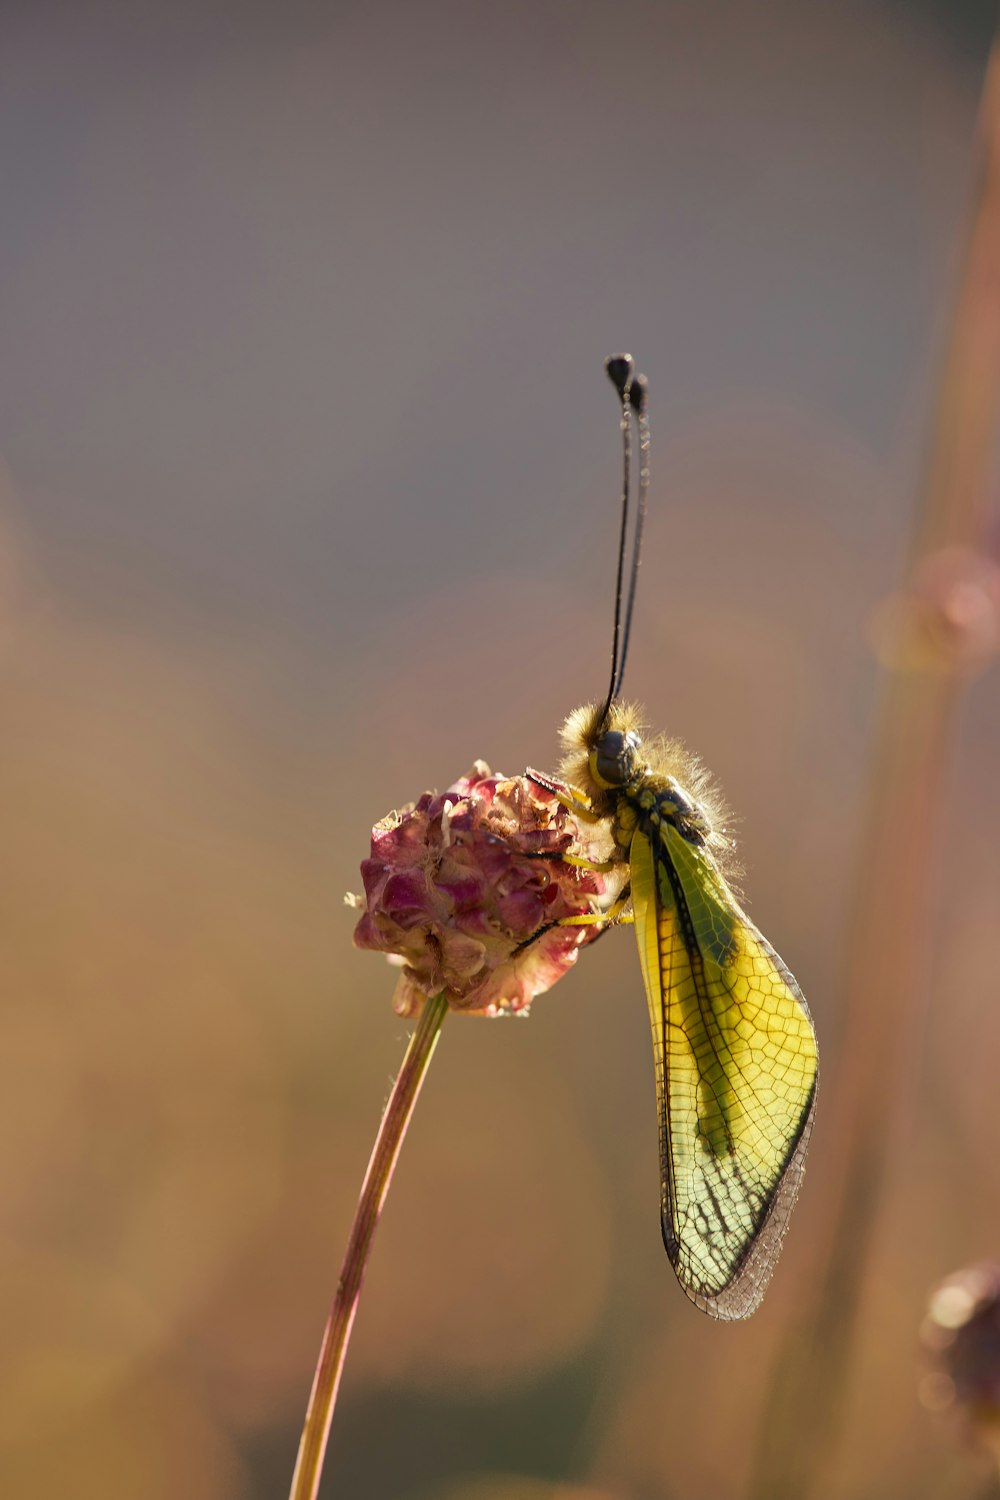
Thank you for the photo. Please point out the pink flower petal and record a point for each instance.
(452, 888)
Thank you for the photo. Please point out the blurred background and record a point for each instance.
(309, 474)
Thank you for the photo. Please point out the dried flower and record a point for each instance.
(961, 1335)
(455, 890)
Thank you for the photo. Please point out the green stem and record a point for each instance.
(336, 1336)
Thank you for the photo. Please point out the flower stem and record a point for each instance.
(336, 1336)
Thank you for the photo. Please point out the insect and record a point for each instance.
(735, 1053)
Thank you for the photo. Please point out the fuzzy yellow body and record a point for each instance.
(735, 1054)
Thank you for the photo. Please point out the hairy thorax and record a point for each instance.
(647, 785)
(650, 803)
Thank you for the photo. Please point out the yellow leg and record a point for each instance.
(572, 800)
(601, 865)
(615, 916)
(580, 809)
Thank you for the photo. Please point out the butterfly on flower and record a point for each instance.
(735, 1054)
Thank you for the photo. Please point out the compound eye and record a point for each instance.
(614, 757)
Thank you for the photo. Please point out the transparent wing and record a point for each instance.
(736, 1071)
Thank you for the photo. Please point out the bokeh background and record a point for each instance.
(307, 500)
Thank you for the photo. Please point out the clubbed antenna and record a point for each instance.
(632, 392)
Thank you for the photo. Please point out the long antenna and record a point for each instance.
(639, 397)
(620, 370)
(632, 393)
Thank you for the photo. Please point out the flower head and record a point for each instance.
(455, 890)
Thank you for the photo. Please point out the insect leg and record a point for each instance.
(572, 800)
(615, 916)
(578, 862)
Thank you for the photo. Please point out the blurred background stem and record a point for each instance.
(928, 664)
(336, 1336)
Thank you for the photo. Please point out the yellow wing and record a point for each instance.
(736, 1071)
